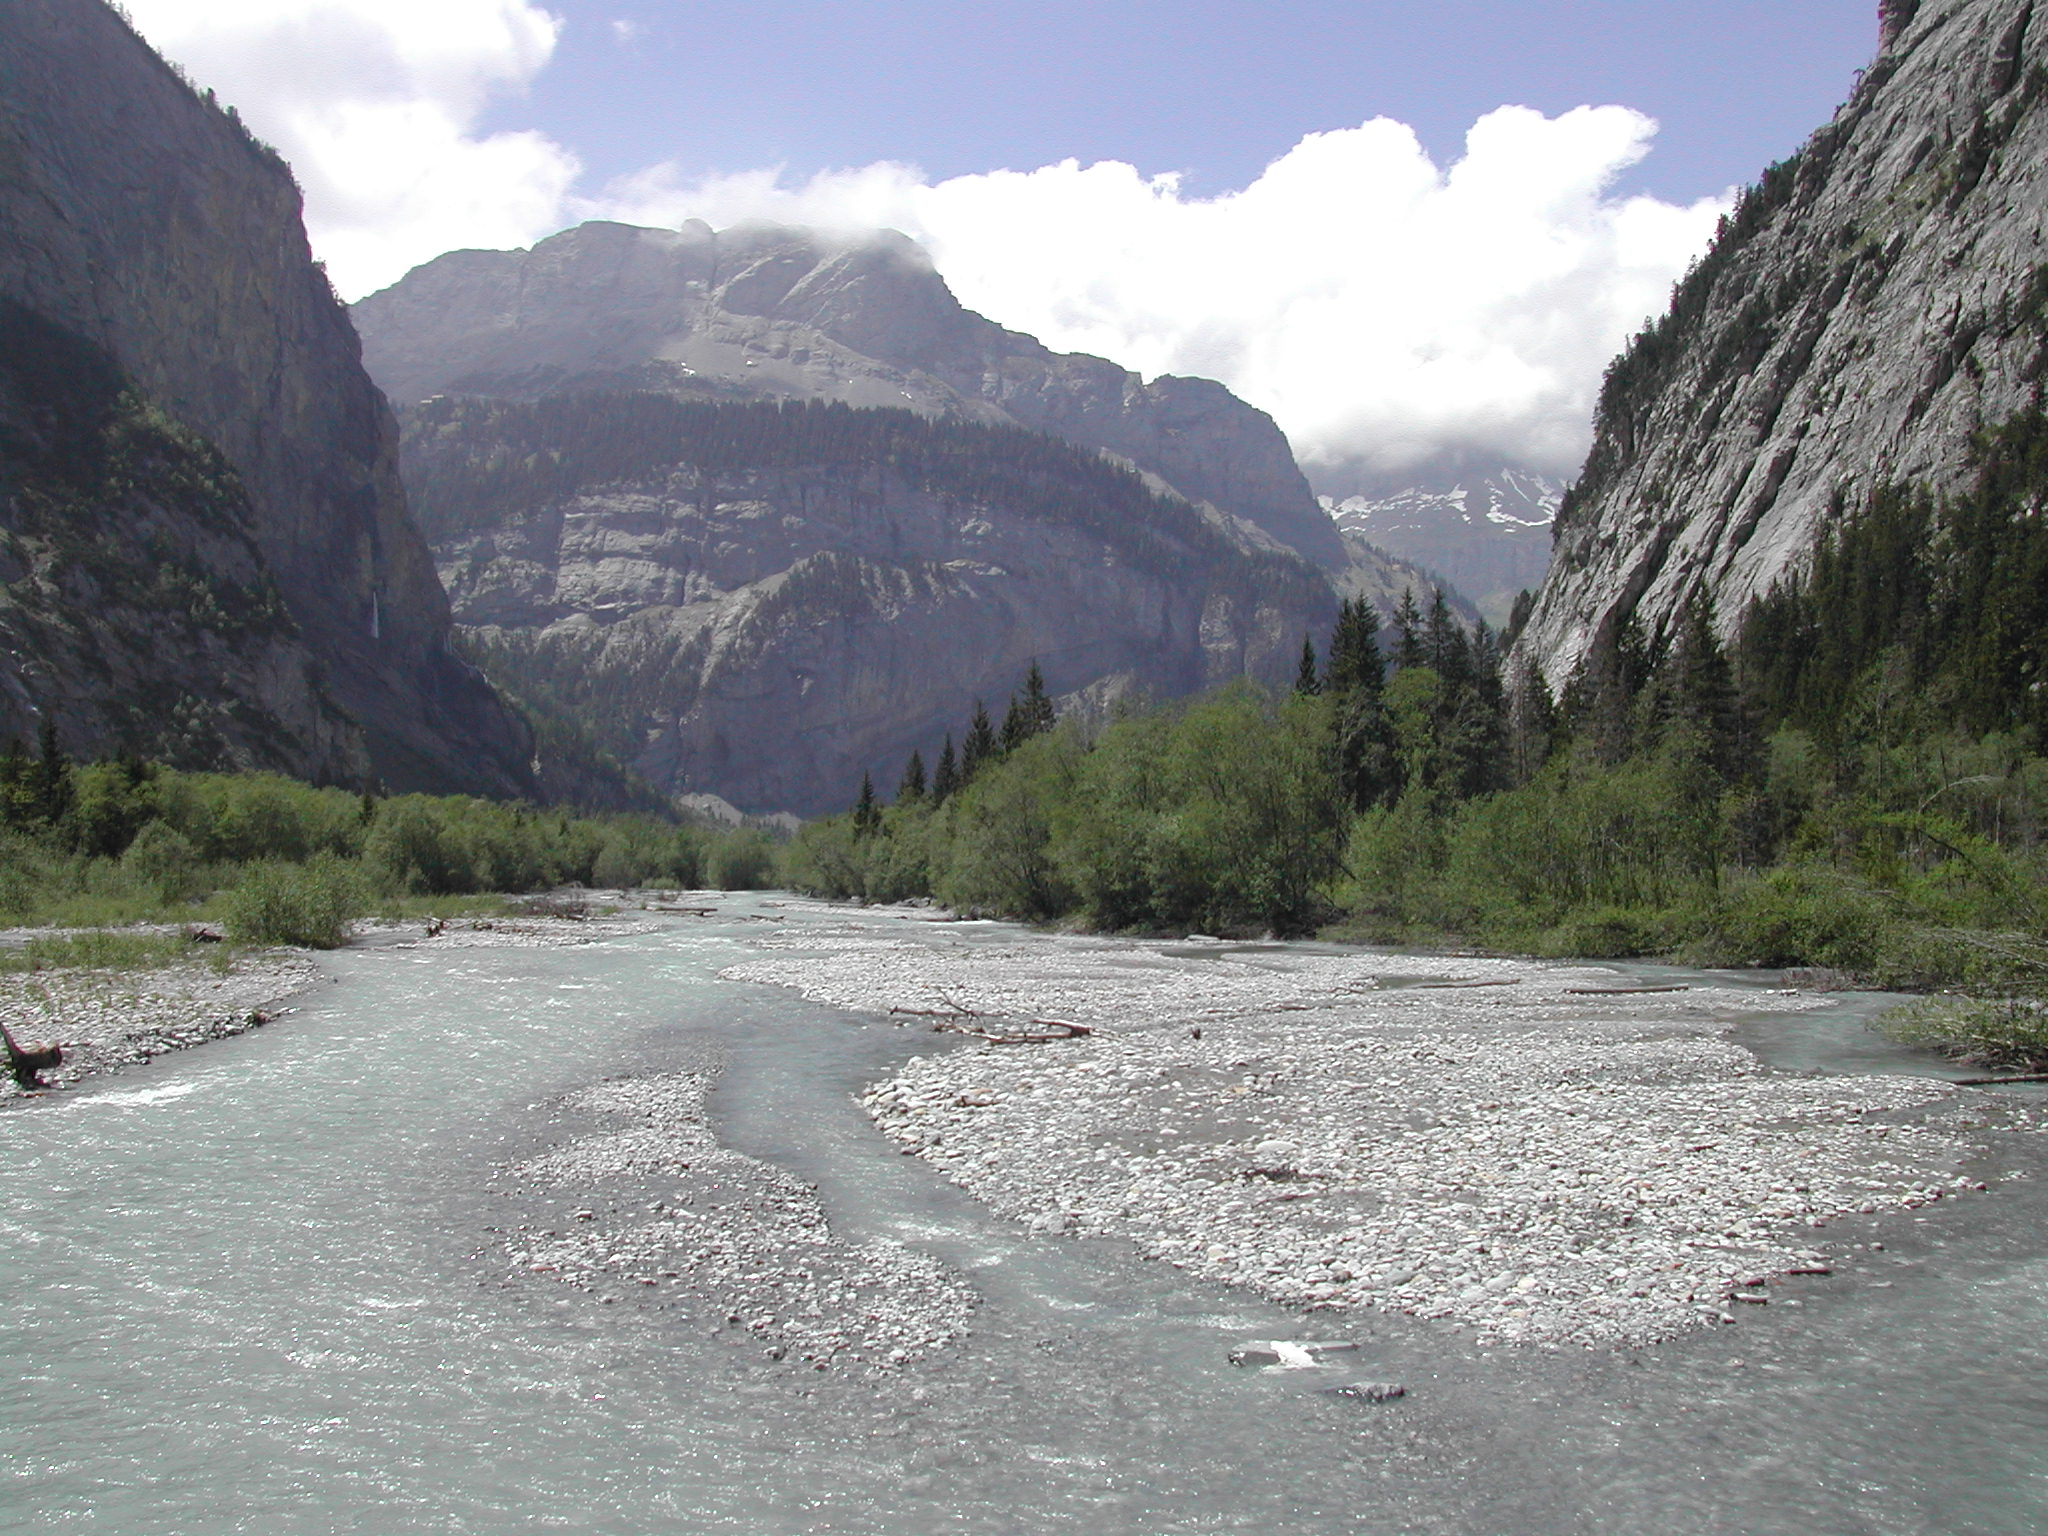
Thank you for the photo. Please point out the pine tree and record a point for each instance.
(912, 789)
(1355, 660)
(50, 783)
(1408, 650)
(1306, 681)
(1697, 692)
(1039, 715)
(980, 745)
(867, 815)
(946, 777)
(1531, 723)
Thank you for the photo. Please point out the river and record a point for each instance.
(263, 1286)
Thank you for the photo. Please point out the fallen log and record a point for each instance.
(1625, 991)
(1992, 1082)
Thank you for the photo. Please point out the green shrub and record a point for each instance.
(163, 859)
(309, 904)
(742, 859)
(1802, 915)
(2005, 1033)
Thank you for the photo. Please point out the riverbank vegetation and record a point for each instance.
(272, 861)
(1855, 783)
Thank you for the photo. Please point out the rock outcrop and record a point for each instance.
(248, 588)
(765, 311)
(1871, 305)
(764, 600)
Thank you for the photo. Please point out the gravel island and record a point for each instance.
(1546, 1154)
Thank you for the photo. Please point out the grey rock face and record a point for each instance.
(768, 629)
(1873, 305)
(765, 311)
(140, 221)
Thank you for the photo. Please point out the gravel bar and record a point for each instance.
(734, 1239)
(108, 1019)
(1536, 1152)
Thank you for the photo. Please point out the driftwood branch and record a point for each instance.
(26, 1061)
(1625, 991)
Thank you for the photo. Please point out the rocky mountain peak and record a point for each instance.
(768, 311)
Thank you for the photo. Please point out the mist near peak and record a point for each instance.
(1388, 311)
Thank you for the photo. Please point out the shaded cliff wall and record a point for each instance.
(142, 222)
(1872, 304)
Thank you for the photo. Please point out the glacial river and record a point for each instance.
(257, 1287)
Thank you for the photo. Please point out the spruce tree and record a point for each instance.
(980, 745)
(1306, 681)
(912, 789)
(867, 815)
(1355, 660)
(1039, 715)
(946, 777)
(50, 783)
(1408, 624)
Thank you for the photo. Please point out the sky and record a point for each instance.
(1407, 230)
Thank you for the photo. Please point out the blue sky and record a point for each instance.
(1216, 90)
(1407, 231)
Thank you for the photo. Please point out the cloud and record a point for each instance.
(1386, 310)
(625, 32)
(374, 104)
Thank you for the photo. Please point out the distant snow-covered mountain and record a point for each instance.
(1488, 533)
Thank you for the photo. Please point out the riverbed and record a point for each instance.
(622, 1237)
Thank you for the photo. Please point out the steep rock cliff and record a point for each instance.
(1871, 305)
(762, 601)
(766, 311)
(146, 238)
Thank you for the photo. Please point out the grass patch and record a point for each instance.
(101, 950)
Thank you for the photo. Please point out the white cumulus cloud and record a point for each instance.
(1384, 308)
(374, 103)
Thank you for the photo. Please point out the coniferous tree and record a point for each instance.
(1039, 715)
(1368, 766)
(912, 789)
(1306, 680)
(945, 777)
(1355, 660)
(1698, 697)
(1408, 650)
(980, 744)
(50, 783)
(1531, 723)
(867, 815)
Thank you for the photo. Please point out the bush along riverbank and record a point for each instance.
(1856, 784)
(160, 907)
(267, 860)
